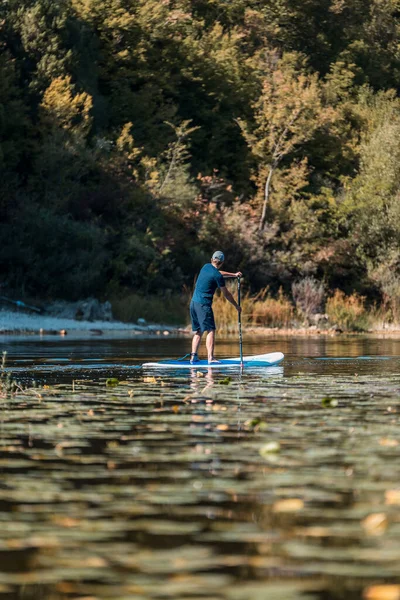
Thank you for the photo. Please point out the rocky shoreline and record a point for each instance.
(92, 318)
(19, 323)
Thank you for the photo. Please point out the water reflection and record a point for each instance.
(201, 381)
(278, 484)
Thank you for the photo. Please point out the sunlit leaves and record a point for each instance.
(62, 107)
(287, 114)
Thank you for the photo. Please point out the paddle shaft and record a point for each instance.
(240, 325)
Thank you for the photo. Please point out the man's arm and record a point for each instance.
(226, 274)
(230, 298)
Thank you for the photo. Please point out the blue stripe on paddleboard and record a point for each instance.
(204, 364)
(263, 360)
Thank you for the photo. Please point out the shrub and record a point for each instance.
(309, 296)
(348, 312)
(173, 310)
(388, 279)
(51, 255)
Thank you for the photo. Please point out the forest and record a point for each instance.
(138, 136)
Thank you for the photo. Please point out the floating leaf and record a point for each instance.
(112, 382)
(288, 505)
(388, 442)
(270, 448)
(257, 424)
(253, 422)
(382, 592)
(375, 524)
(329, 402)
(392, 497)
(226, 381)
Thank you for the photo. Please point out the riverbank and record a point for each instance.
(13, 322)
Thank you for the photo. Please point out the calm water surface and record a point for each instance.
(274, 484)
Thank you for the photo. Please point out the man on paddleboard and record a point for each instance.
(210, 278)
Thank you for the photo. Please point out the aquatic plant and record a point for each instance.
(6, 383)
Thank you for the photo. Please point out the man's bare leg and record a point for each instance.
(210, 341)
(196, 342)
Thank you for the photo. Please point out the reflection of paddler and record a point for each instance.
(197, 380)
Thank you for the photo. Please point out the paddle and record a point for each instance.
(240, 326)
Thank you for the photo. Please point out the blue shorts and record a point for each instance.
(202, 317)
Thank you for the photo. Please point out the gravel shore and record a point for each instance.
(19, 322)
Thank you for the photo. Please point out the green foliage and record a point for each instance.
(135, 137)
(372, 198)
(14, 126)
(52, 255)
(287, 113)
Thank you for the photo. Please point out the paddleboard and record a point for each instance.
(259, 360)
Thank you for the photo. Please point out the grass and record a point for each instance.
(260, 309)
(173, 310)
(272, 312)
(348, 312)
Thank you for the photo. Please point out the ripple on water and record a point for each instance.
(282, 486)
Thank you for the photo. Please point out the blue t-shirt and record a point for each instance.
(207, 282)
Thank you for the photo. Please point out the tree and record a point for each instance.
(64, 109)
(287, 114)
(14, 128)
(372, 199)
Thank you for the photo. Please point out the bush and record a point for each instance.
(173, 310)
(309, 296)
(348, 312)
(387, 277)
(51, 255)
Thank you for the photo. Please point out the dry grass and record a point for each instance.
(173, 310)
(272, 312)
(348, 312)
(260, 309)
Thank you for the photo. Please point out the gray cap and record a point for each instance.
(218, 255)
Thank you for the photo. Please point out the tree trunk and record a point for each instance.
(266, 199)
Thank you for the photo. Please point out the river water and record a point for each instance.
(272, 484)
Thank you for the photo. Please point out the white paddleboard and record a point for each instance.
(259, 360)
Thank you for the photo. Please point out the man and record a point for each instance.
(201, 313)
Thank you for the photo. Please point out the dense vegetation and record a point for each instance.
(136, 136)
